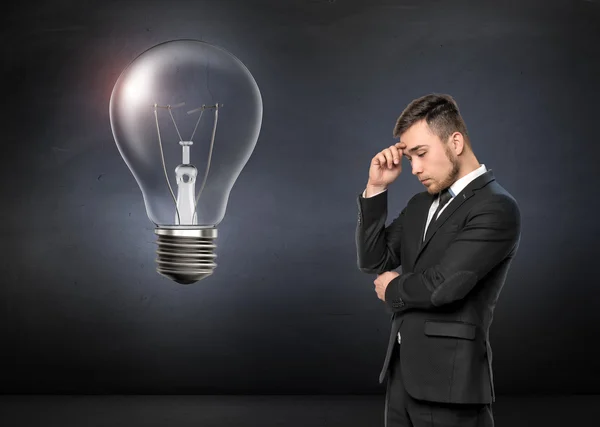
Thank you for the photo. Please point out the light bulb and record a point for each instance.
(185, 116)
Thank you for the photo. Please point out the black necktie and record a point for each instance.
(444, 197)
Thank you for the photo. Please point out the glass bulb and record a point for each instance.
(185, 116)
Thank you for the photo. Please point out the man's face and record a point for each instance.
(432, 161)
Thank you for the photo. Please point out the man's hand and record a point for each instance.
(385, 167)
(382, 282)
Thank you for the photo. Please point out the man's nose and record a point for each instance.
(416, 168)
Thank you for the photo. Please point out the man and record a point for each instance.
(455, 243)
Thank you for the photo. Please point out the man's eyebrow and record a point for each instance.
(418, 147)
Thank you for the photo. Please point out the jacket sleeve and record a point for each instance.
(378, 247)
(491, 233)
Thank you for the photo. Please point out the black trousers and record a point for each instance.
(402, 410)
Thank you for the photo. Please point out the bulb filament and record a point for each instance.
(185, 173)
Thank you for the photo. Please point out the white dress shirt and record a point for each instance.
(454, 189)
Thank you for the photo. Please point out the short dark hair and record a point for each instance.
(440, 112)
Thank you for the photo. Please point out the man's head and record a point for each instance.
(434, 139)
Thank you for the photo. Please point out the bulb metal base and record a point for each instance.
(186, 255)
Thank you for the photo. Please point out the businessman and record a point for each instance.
(455, 243)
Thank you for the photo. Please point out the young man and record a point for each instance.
(455, 243)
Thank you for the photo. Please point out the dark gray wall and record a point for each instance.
(287, 311)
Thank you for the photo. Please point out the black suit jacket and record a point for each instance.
(443, 302)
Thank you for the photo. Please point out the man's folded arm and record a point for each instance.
(377, 246)
(491, 233)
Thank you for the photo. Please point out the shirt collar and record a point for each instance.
(460, 184)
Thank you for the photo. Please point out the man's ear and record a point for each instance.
(458, 143)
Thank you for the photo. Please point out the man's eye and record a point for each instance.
(421, 155)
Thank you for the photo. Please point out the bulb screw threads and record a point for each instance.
(186, 255)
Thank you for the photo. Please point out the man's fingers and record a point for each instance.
(386, 155)
(393, 155)
(397, 154)
(400, 146)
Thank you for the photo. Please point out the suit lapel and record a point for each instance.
(454, 204)
(423, 214)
